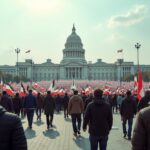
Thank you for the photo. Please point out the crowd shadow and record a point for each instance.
(82, 142)
(30, 133)
(39, 122)
(51, 133)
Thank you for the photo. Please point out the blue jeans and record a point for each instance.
(101, 140)
(30, 114)
(130, 122)
(76, 122)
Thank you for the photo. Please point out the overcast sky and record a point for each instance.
(104, 26)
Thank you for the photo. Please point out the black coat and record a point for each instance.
(98, 116)
(39, 102)
(17, 103)
(144, 102)
(65, 101)
(6, 102)
(12, 135)
(128, 108)
(49, 105)
(141, 132)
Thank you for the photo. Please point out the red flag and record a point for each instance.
(1, 84)
(120, 51)
(22, 92)
(140, 86)
(8, 89)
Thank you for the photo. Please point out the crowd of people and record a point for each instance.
(96, 109)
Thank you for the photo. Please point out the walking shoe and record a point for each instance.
(125, 134)
(78, 132)
(129, 138)
(75, 134)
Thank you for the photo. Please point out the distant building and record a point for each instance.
(73, 66)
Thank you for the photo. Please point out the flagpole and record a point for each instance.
(120, 61)
(31, 75)
(137, 46)
(17, 50)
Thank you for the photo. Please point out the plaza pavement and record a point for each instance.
(60, 137)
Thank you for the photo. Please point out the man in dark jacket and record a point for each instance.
(39, 106)
(30, 105)
(98, 116)
(141, 132)
(65, 104)
(58, 103)
(6, 102)
(127, 111)
(49, 107)
(145, 101)
(17, 104)
(12, 135)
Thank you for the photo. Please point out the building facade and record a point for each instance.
(73, 66)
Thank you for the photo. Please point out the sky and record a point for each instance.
(104, 27)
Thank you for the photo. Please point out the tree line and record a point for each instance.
(145, 75)
(8, 77)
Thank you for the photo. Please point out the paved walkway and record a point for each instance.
(61, 136)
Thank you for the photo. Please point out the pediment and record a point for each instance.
(74, 64)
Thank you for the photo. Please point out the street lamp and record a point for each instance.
(31, 72)
(17, 50)
(137, 46)
(120, 61)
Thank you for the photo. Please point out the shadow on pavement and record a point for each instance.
(53, 134)
(82, 142)
(30, 133)
(39, 123)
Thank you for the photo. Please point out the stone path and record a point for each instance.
(61, 136)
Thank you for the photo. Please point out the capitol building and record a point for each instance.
(73, 66)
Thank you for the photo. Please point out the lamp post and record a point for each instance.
(17, 50)
(31, 73)
(137, 46)
(120, 61)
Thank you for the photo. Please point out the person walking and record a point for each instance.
(49, 107)
(75, 109)
(39, 106)
(12, 135)
(17, 104)
(145, 101)
(65, 104)
(98, 116)
(58, 102)
(30, 106)
(88, 100)
(141, 132)
(127, 111)
(6, 102)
